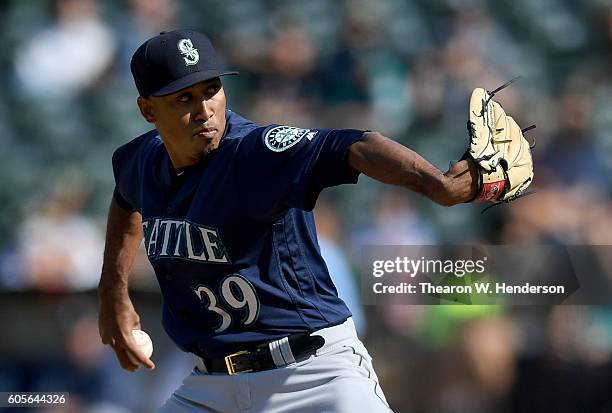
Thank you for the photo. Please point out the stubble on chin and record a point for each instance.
(211, 148)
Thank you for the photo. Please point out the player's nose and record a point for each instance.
(203, 110)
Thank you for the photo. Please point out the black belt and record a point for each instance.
(302, 345)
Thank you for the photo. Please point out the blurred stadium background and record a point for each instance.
(402, 67)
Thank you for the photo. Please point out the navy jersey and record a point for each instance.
(232, 238)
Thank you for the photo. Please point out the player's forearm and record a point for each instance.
(123, 237)
(389, 162)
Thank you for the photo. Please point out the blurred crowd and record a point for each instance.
(405, 68)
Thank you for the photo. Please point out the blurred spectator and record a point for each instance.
(142, 20)
(474, 371)
(329, 232)
(69, 55)
(574, 141)
(58, 248)
(397, 221)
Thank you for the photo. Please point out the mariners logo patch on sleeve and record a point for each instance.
(281, 138)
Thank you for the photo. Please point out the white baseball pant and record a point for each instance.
(338, 379)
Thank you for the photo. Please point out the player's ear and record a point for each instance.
(146, 110)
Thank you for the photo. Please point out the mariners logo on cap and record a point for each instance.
(281, 138)
(190, 53)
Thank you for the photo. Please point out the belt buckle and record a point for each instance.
(231, 365)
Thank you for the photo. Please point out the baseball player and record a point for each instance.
(223, 207)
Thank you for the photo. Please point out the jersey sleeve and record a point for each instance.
(126, 176)
(289, 167)
(121, 201)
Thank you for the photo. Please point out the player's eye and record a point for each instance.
(212, 90)
(184, 97)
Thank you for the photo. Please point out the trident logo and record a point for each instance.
(190, 54)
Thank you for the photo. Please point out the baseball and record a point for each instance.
(144, 343)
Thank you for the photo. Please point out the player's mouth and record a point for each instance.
(206, 133)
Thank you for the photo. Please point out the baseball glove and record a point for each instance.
(498, 147)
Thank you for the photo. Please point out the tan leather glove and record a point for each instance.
(499, 148)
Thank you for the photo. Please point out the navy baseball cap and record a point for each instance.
(173, 61)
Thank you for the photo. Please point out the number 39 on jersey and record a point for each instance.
(235, 292)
